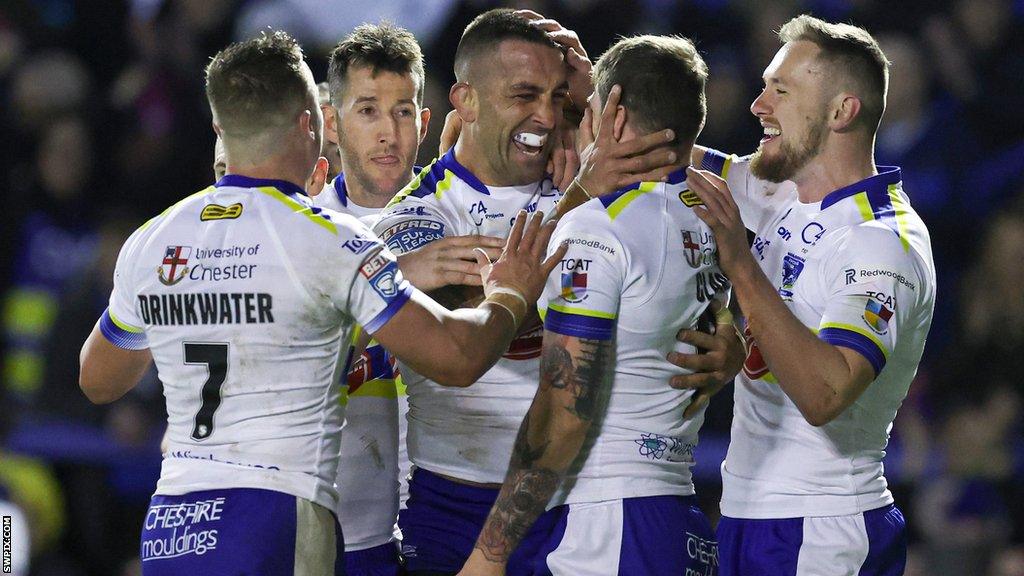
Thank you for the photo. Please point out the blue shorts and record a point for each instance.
(873, 543)
(443, 519)
(654, 535)
(380, 560)
(236, 531)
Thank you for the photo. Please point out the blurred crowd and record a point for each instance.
(104, 123)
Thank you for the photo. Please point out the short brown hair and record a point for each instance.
(257, 86)
(662, 80)
(384, 47)
(492, 28)
(852, 54)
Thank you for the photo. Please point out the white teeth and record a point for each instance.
(771, 131)
(529, 139)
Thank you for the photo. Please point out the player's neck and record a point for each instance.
(834, 168)
(365, 197)
(472, 158)
(277, 168)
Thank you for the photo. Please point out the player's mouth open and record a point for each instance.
(529, 143)
(770, 133)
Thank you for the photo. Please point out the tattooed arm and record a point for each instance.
(573, 373)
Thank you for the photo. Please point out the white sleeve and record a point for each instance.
(871, 283)
(582, 295)
(374, 290)
(120, 323)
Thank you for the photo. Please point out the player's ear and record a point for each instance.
(620, 122)
(424, 122)
(465, 100)
(843, 112)
(318, 178)
(330, 123)
(306, 123)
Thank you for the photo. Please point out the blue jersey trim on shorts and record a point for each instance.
(120, 337)
(239, 181)
(579, 326)
(857, 342)
(396, 303)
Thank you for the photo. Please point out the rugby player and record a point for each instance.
(838, 291)
(513, 84)
(243, 295)
(374, 113)
(640, 267)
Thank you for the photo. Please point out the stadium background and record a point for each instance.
(103, 123)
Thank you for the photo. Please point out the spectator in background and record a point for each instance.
(982, 53)
(56, 244)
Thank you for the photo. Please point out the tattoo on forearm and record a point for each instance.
(582, 380)
(530, 483)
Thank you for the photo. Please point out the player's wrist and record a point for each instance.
(509, 299)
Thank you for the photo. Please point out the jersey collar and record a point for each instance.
(876, 186)
(239, 181)
(448, 162)
(340, 189)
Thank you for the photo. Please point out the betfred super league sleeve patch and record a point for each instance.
(409, 235)
(388, 291)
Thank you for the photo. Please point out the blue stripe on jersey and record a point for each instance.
(858, 342)
(426, 182)
(611, 198)
(396, 303)
(677, 177)
(121, 337)
(239, 181)
(876, 186)
(340, 189)
(713, 161)
(449, 162)
(579, 326)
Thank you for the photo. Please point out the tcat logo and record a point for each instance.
(576, 264)
(886, 300)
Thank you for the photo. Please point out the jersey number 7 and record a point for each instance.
(215, 356)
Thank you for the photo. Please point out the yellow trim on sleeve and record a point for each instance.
(122, 325)
(299, 208)
(858, 330)
(580, 312)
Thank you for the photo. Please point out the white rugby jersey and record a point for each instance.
(856, 269)
(640, 267)
(245, 294)
(466, 433)
(368, 480)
